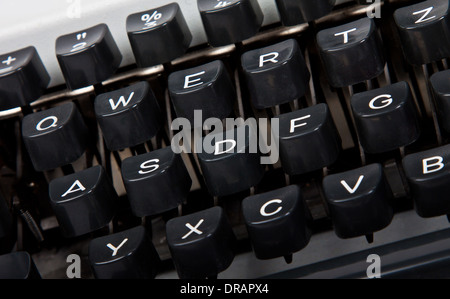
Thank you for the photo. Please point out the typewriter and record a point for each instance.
(230, 139)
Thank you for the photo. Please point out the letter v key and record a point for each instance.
(352, 190)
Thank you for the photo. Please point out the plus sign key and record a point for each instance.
(202, 244)
(23, 78)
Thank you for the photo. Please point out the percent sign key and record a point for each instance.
(159, 35)
(151, 20)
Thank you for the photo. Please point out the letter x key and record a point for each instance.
(193, 229)
(213, 249)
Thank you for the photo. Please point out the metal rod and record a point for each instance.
(432, 104)
(239, 94)
(349, 107)
(311, 81)
(387, 75)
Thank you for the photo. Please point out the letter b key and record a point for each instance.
(428, 174)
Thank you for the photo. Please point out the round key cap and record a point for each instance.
(351, 53)
(385, 118)
(87, 57)
(83, 202)
(440, 85)
(207, 87)
(358, 201)
(155, 182)
(229, 163)
(202, 244)
(276, 222)
(230, 21)
(308, 139)
(158, 35)
(55, 137)
(128, 116)
(295, 12)
(424, 31)
(276, 74)
(18, 265)
(128, 254)
(428, 174)
(23, 78)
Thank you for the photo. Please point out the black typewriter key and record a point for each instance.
(229, 162)
(308, 139)
(428, 174)
(276, 222)
(128, 254)
(6, 219)
(230, 21)
(159, 35)
(18, 265)
(128, 116)
(276, 74)
(23, 78)
(385, 118)
(207, 88)
(424, 31)
(440, 85)
(83, 202)
(295, 12)
(54, 137)
(351, 53)
(88, 57)
(358, 201)
(155, 182)
(202, 244)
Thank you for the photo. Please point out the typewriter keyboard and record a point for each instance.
(305, 148)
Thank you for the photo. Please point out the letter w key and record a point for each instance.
(121, 100)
